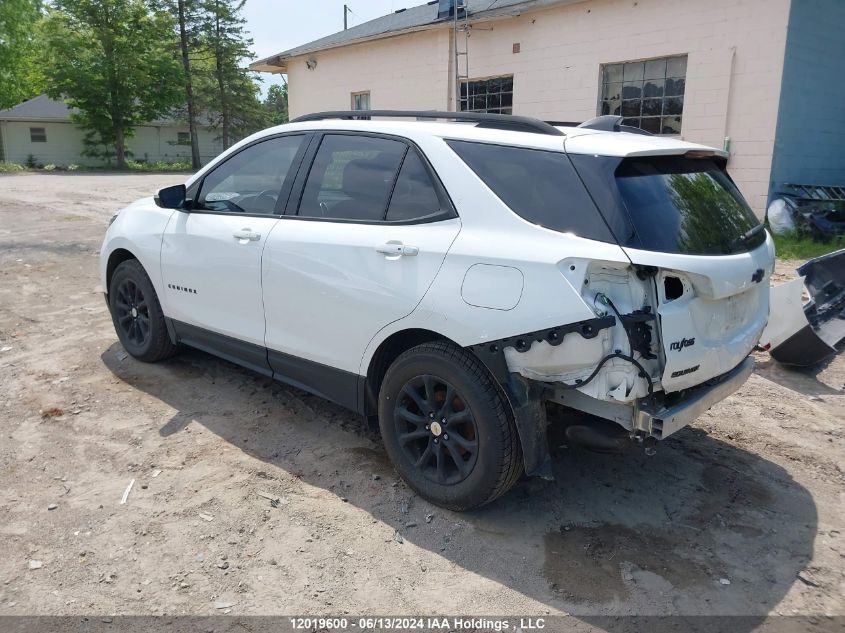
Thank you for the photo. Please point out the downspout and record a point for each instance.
(451, 97)
(726, 144)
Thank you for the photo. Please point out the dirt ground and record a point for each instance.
(740, 514)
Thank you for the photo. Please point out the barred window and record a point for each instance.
(648, 93)
(494, 95)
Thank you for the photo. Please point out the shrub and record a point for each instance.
(797, 245)
(10, 167)
(49, 167)
(158, 166)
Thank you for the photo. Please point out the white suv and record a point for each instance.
(453, 277)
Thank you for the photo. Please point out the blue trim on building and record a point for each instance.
(810, 136)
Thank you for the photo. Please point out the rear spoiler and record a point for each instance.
(612, 123)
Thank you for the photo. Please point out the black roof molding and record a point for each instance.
(497, 121)
(612, 123)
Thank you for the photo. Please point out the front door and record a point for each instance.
(211, 254)
(372, 230)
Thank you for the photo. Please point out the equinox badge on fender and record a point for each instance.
(684, 342)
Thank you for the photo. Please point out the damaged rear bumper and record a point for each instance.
(661, 420)
(808, 336)
(823, 330)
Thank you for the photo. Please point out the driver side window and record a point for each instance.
(251, 180)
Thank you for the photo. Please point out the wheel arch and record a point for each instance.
(116, 258)
(523, 397)
(387, 352)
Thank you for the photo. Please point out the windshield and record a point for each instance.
(686, 205)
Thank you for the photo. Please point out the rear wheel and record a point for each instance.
(137, 315)
(448, 428)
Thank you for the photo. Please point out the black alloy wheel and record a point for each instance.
(436, 429)
(448, 426)
(137, 315)
(132, 313)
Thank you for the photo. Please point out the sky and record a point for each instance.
(276, 25)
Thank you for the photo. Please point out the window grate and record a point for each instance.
(649, 94)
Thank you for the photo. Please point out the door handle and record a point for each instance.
(246, 235)
(397, 249)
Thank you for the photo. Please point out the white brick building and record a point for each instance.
(764, 78)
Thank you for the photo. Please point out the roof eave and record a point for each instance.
(279, 63)
(274, 64)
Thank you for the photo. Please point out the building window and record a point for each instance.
(37, 135)
(361, 101)
(183, 138)
(493, 95)
(648, 93)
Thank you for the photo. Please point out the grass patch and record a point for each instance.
(131, 165)
(798, 246)
(158, 166)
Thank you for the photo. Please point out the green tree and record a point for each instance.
(186, 19)
(113, 61)
(276, 104)
(20, 72)
(232, 91)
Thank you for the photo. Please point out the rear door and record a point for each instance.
(366, 237)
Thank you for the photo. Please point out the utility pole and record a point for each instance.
(345, 11)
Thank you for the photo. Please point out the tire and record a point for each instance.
(481, 459)
(136, 314)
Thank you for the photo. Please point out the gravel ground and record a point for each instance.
(740, 514)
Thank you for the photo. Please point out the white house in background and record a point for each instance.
(42, 128)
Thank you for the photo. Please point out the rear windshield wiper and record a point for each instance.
(748, 236)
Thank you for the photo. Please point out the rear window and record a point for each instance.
(686, 205)
(539, 186)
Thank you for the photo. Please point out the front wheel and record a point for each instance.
(447, 427)
(137, 315)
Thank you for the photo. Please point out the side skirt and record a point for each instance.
(247, 355)
(338, 386)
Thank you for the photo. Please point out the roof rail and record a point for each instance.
(497, 121)
(612, 123)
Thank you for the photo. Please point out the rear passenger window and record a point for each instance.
(414, 196)
(351, 178)
(539, 186)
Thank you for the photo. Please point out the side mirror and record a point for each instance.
(171, 197)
